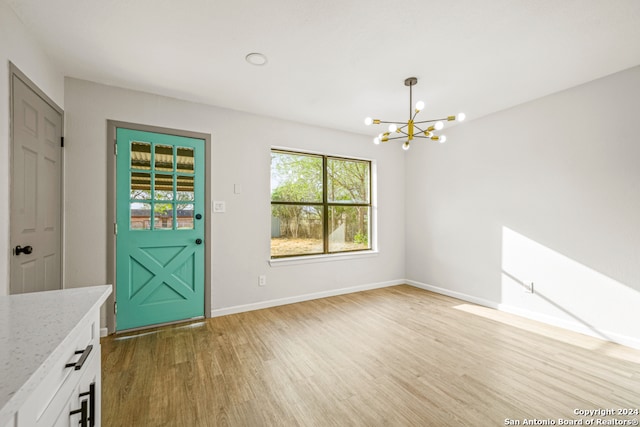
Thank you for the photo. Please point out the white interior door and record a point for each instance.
(35, 191)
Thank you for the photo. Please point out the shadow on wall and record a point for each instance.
(540, 283)
(529, 289)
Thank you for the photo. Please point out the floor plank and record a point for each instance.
(397, 356)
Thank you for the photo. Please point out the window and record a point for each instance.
(171, 197)
(319, 204)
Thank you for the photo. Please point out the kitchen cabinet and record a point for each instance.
(50, 358)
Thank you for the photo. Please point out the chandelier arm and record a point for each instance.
(430, 121)
(400, 130)
(395, 137)
(397, 122)
(418, 127)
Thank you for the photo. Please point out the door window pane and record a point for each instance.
(184, 216)
(296, 230)
(140, 155)
(140, 186)
(347, 181)
(185, 189)
(163, 187)
(163, 216)
(296, 177)
(348, 228)
(164, 158)
(140, 216)
(184, 160)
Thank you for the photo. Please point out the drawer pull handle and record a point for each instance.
(78, 365)
(83, 414)
(92, 403)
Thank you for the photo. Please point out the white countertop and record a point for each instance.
(33, 332)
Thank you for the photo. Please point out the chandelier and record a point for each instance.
(412, 129)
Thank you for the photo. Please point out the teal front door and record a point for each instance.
(160, 228)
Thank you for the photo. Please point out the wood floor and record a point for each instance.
(398, 356)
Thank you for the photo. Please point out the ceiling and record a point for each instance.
(333, 62)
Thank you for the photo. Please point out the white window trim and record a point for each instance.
(314, 259)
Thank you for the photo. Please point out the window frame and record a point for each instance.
(326, 206)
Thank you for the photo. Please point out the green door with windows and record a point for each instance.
(160, 228)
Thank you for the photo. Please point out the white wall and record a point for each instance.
(18, 46)
(240, 155)
(548, 192)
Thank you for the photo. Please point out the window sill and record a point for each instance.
(313, 259)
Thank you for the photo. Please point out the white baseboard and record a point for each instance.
(454, 294)
(299, 298)
(572, 326)
(550, 320)
(104, 332)
(544, 318)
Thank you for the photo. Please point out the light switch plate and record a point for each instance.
(219, 206)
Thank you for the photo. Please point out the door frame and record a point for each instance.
(14, 71)
(112, 126)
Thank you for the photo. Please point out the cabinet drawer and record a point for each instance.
(71, 413)
(56, 388)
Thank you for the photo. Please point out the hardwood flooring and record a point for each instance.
(397, 356)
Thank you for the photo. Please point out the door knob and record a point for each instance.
(27, 250)
(198, 241)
